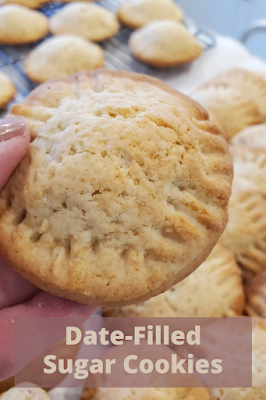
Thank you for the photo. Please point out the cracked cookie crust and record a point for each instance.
(122, 193)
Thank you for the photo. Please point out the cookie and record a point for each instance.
(244, 234)
(258, 390)
(252, 86)
(26, 3)
(122, 193)
(256, 296)
(7, 90)
(228, 108)
(254, 136)
(87, 20)
(164, 44)
(19, 25)
(137, 13)
(145, 394)
(17, 393)
(61, 56)
(213, 290)
(250, 164)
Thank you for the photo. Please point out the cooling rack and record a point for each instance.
(117, 54)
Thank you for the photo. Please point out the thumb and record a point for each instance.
(14, 140)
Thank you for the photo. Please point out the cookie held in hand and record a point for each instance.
(122, 193)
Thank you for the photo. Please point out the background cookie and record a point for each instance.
(213, 290)
(254, 136)
(258, 391)
(250, 164)
(256, 296)
(137, 13)
(87, 20)
(16, 393)
(19, 25)
(251, 85)
(7, 90)
(244, 234)
(228, 108)
(26, 3)
(61, 56)
(145, 394)
(164, 44)
(122, 215)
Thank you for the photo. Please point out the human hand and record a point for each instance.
(18, 297)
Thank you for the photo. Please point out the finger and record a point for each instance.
(42, 305)
(14, 140)
(13, 288)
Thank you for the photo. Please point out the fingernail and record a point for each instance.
(12, 127)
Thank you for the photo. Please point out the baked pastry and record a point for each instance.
(137, 13)
(122, 194)
(228, 108)
(87, 20)
(19, 25)
(164, 44)
(61, 56)
(26, 3)
(250, 164)
(213, 290)
(7, 90)
(251, 85)
(254, 136)
(19, 393)
(145, 394)
(258, 390)
(69, 1)
(256, 296)
(244, 234)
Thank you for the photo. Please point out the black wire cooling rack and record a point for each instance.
(117, 54)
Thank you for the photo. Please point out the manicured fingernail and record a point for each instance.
(12, 127)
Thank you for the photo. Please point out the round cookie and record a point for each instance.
(26, 3)
(87, 20)
(250, 164)
(145, 394)
(164, 44)
(254, 136)
(228, 108)
(7, 90)
(251, 85)
(61, 56)
(19, 25)
(213, 290)
(258, 390)
(33, 393)
(256, 296)
(122, 194)
(244, 234)
(137, 13)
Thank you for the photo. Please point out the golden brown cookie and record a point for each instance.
(250, 164)
(26, 3)
(145, 394)
(61, 56)
(228, 108)
(256, 296)
(123, 192)
(254, 136)
(164, 44)
(7, 90)
(87, 20)
(244, 234)
(213, 290)
(17, 393)
(251, 85)
(19, 25)
(258, 390)
(137, 13)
